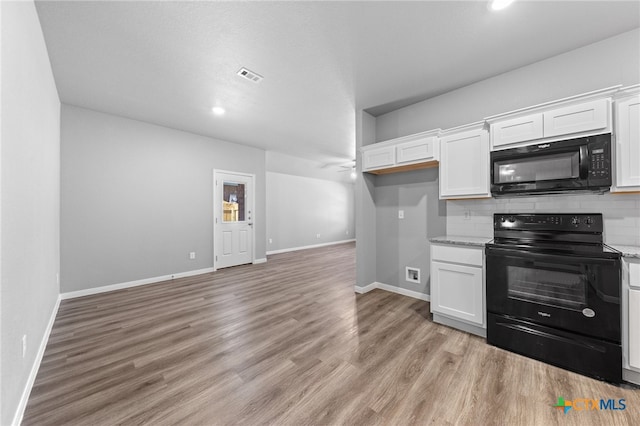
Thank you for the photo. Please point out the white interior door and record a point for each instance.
(233, 219)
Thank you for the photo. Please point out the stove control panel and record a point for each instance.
(549, 222)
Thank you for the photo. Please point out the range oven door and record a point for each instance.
(573, 293)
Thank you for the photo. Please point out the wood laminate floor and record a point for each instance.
(289, 343)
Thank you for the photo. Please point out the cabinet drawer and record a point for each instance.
(583, 117)
(457, 254)
(516, 130)
(634, 328)
(378, 158)
(421, 149)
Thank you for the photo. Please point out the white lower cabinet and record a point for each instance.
(457, 291)
(634, 328)
(631, 319)
(457, 286)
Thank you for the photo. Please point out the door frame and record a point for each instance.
(217, 220)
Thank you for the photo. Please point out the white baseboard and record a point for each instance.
(145, 281)
(366, 289)
(17, 418)
(393, 289)
(309, 247)
(263, 260)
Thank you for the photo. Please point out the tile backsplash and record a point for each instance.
(621, 213)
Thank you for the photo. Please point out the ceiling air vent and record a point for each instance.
(250, 75)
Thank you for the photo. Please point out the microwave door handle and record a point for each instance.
(584, 162)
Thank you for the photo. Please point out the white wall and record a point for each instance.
(365, 205)
(30, 213)
(137, 198)
(404, 242)
(306, 198)
(299, 208)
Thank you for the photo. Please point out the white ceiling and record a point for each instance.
(169, 63)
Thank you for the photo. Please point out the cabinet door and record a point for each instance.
(414, 151)
(516, 130)
(583, 117)
(628, 143)
(378, 158)
(456, 291)
(464, 165)
(634, 328)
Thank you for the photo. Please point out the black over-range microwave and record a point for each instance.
(582, 164)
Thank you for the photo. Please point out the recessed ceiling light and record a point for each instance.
(217, 110)
(499, 4)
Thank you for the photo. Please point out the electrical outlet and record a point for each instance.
(467, 214)
(24, 346)
(400, 214)
(192, 255)
(270, 241)
(346, 232)
(318, 236)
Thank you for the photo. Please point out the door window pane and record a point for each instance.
(233, 202)
(548, 286)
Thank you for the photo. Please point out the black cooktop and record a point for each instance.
(577, 234)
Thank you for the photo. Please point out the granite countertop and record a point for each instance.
(627, 251)
(461, 240)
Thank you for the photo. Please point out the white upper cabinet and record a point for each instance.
(378, 158)
(417, 150)
(515, 130)
(464, 162)
(406, 153)
(582, 115)
(627, 140)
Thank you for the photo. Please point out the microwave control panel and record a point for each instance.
(599, 161)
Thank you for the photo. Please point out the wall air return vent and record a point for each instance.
(250, 75)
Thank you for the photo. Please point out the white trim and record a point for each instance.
(17, 418)
(366, 289)
(404, 292)
(263, 260)
(309, 247)
(136, 283)
(393, 289)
